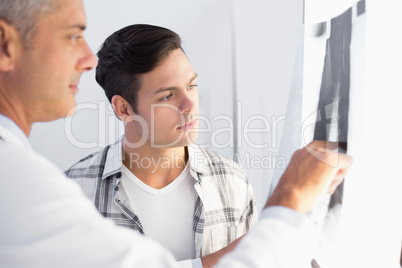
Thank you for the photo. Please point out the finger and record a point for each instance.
(326, 156)
(345, 163)
(323, 146)
(334, 185)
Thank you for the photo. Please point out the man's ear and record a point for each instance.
(122, 108)
(10, 42)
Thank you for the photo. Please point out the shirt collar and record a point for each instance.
(197, 158)
(11, 133)
(113, 159)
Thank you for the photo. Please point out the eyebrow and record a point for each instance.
(174, 88)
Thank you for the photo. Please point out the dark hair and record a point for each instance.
(130, 52)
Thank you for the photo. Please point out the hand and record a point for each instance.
(313, 170)
(212, 259)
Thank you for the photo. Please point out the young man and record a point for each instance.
(46, 219)
(154, 179)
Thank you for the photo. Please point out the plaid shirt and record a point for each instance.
(225, 207)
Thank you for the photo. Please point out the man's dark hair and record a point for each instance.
(130, 52)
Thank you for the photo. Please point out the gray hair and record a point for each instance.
(23, 14)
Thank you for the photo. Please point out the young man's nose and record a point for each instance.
(187, 104)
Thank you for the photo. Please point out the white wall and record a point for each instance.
(264, 34)
(267, 34)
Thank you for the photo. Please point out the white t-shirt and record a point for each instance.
(166, 214)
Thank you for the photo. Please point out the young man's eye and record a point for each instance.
(168, 97)
(192, 86)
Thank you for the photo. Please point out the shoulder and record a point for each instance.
(28, 171)
(90, 164)
(212, 163)
(14, 157)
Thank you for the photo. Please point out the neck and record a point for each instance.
(10, 109)
(156, 167)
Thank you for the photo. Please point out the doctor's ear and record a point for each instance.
(122, 108)
(10, 46)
